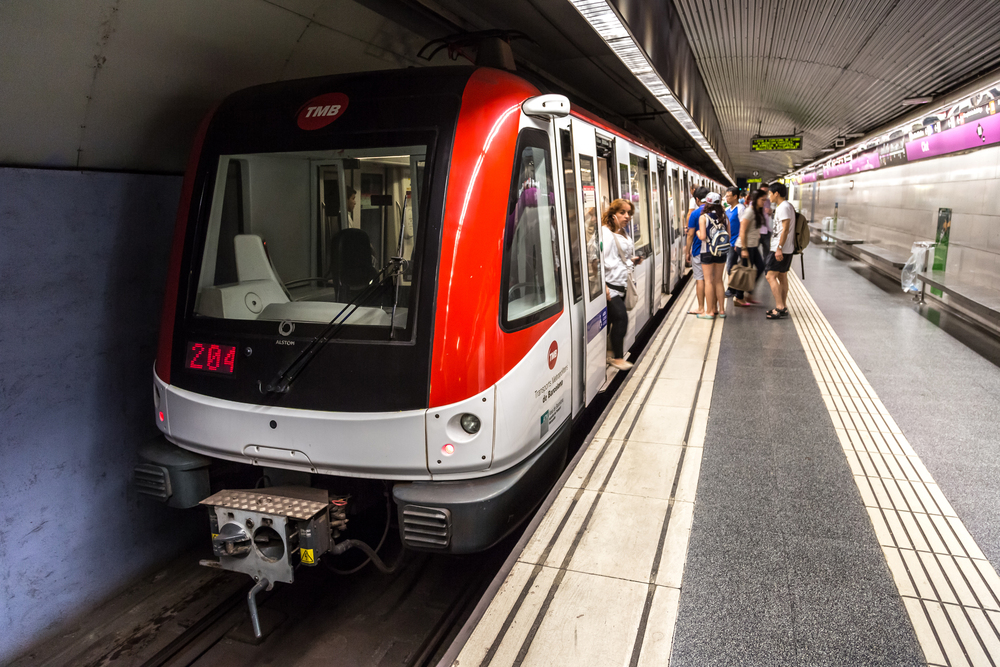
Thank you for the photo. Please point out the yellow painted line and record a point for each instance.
(950, 591)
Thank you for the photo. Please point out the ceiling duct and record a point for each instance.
(492, 47)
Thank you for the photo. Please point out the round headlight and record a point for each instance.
(471, 423)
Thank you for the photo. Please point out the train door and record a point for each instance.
(666, 203)
(661, 233)
(678, 223)
(572, 247)
(683, 204)
(594, 298)
(640, 313)
(643, 235)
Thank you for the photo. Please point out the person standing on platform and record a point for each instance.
(782, 246)
(765, 226)
(713, 217)
(693, 251)
(619, 257)
(748, 240)
(733, 211)
(693, 203)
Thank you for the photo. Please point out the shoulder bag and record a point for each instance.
(631, 292)
(742, 276)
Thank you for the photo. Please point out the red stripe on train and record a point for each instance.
(177, 251)
(471, 353)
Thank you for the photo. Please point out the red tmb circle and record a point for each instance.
(321, 111)
(553, 355)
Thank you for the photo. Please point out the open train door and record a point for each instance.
(594, 298)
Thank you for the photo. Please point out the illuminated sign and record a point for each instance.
(776, 144)
(212, 358)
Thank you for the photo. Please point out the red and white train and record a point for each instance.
(455, 374)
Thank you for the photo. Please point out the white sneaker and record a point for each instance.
(620, 364)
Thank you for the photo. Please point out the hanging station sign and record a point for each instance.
(776, 144)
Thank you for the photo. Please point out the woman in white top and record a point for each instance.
(748, 242)
(617, 266)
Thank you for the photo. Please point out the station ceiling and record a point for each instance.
(830, 68)
(122, 84)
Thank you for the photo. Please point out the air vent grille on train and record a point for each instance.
(427, 527)
(152, 480)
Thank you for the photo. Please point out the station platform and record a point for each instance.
(817, 490)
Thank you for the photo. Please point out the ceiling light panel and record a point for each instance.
(606, 23)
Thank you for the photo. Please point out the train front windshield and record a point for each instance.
(297, 236)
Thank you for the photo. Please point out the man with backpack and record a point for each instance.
(779, 259)
(693, 250)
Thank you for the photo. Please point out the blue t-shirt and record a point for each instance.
(734, 225)
(693, 224)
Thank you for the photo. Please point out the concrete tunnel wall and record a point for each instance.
(83, 259)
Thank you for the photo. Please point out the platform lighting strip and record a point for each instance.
(561, 586)
(606, 22)
(949, 589)
(904, 126)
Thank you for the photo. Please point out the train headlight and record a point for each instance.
(470, 423)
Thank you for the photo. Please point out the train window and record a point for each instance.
(297, 236)
(591, 223)
(569, 177)
(531, 289)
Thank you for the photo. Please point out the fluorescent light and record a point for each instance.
(827, 150)
(606, 23)
(913, 101)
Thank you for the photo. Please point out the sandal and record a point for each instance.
(703, 316)
(775, 314)
(740, 304)
(721, 316)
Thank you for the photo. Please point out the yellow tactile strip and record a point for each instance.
(950, 591)
(599, 581)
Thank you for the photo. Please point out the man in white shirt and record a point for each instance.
(779, 259)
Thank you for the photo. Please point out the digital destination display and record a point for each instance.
(210, 357)
(776, 144)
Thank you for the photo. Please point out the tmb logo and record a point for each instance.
(553, 355)
(321, 111)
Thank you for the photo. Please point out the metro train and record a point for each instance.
(389, 283)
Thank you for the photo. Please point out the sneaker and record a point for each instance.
(620, 364)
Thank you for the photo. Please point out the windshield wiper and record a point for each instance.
(282, 382)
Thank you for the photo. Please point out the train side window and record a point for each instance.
(569, 176)
(588, 187)
(532, 281)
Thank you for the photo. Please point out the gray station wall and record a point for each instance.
(896, 206)
(83, 259)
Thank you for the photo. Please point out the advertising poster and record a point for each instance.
(941, 251)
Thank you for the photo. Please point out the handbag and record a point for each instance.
(631, 292)
(742, 276)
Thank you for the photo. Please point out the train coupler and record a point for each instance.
(267, 533)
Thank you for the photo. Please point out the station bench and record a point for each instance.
(984, 301)
(841, 237)
(893, 257)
